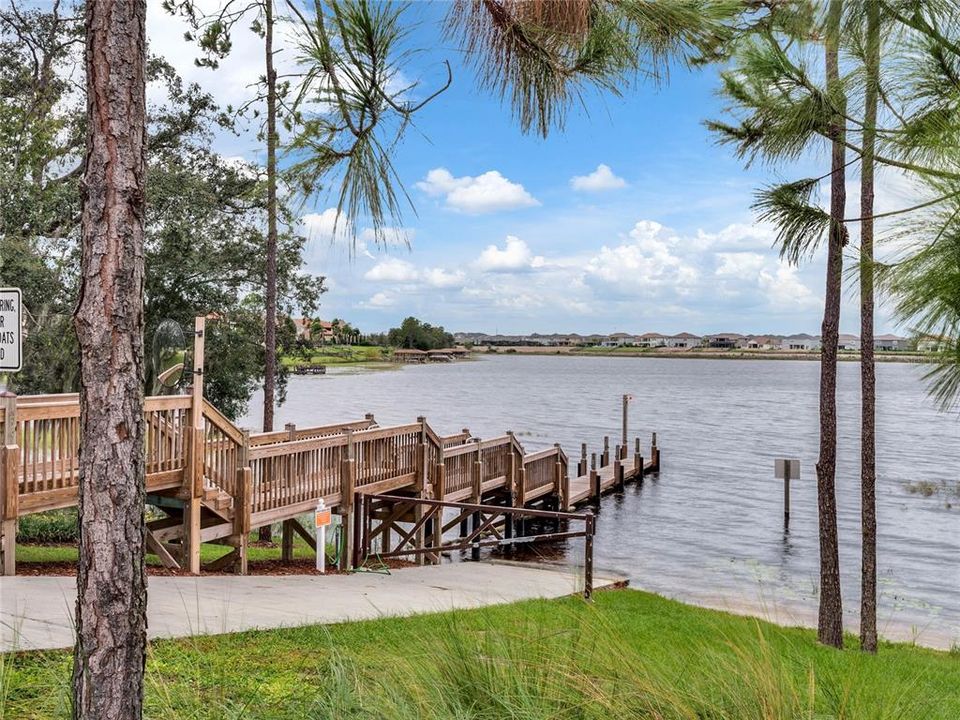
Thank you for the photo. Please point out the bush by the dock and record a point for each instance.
(629, 655)
(53, 526)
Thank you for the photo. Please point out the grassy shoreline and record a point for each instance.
(340, 355)
(629, 654)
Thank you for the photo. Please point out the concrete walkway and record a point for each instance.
(37, 612)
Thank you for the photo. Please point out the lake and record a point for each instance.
(709, 528)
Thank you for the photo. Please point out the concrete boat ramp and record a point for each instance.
(37, 612)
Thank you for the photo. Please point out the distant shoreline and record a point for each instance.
(704, 354)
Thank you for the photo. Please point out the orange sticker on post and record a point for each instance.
(322, 518)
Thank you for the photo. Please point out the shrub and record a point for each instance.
(54, 526)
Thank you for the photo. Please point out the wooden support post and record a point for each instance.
(286, 542)
(242, 507)
(618, 472)
(582, 465)
(512, 468)
(565, 489)
(655, 453)
(605, 458)
(9, 485)
(9, 506)
(192, 490)
(193, 503)
(348, 483)
(477, 493)
(595, 488)
(557, 473)
(439, 490)
(359, 508)
(8, 401)
(291, 429)
(421, 489)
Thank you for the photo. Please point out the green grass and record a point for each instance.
(629, 655)
(208, 553)
(340, 355)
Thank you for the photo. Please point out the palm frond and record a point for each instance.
(542, 55)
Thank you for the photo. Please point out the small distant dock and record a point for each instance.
(309, 369)
(419, 357)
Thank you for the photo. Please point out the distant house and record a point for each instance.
(848, 342)
(619, 339)
(890, 342)
(650, 340)
(303, 326)
(931, 343)
(683, 340)
(723, 341)
(801, 341)
(763, 342)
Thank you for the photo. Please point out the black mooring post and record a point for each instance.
(588, 557)
(474, 526)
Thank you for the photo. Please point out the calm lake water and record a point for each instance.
(709, 529)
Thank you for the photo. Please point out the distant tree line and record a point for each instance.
(414, 334)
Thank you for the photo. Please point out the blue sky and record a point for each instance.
(629, 219)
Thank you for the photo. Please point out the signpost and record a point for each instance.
(786, 469)
(322, 518)
(11, 335)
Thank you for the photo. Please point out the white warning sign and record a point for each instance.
(11, 329)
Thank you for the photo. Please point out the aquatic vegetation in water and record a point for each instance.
(928, 488)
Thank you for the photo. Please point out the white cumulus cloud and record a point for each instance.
(599, 180)
(484, 193)
(392, 270)
(740, 265)
(515, 256)
(378, 301)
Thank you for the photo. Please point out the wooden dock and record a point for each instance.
(212, 482)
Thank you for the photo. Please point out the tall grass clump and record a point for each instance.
(628, 655)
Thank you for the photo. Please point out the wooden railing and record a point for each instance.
(309, 433)
(386, 454)
(223, 451)
(296, 472)
(458, 464)
(48, 441)
(544, 471)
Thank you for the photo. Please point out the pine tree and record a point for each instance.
(111, 621)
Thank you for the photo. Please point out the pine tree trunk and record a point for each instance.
(868, 470)
(111, 580)
(270, 322)
(830, 624)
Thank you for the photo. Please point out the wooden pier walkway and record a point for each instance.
(208, 481)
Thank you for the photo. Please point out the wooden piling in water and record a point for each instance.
(605, 458)
(595, 487)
